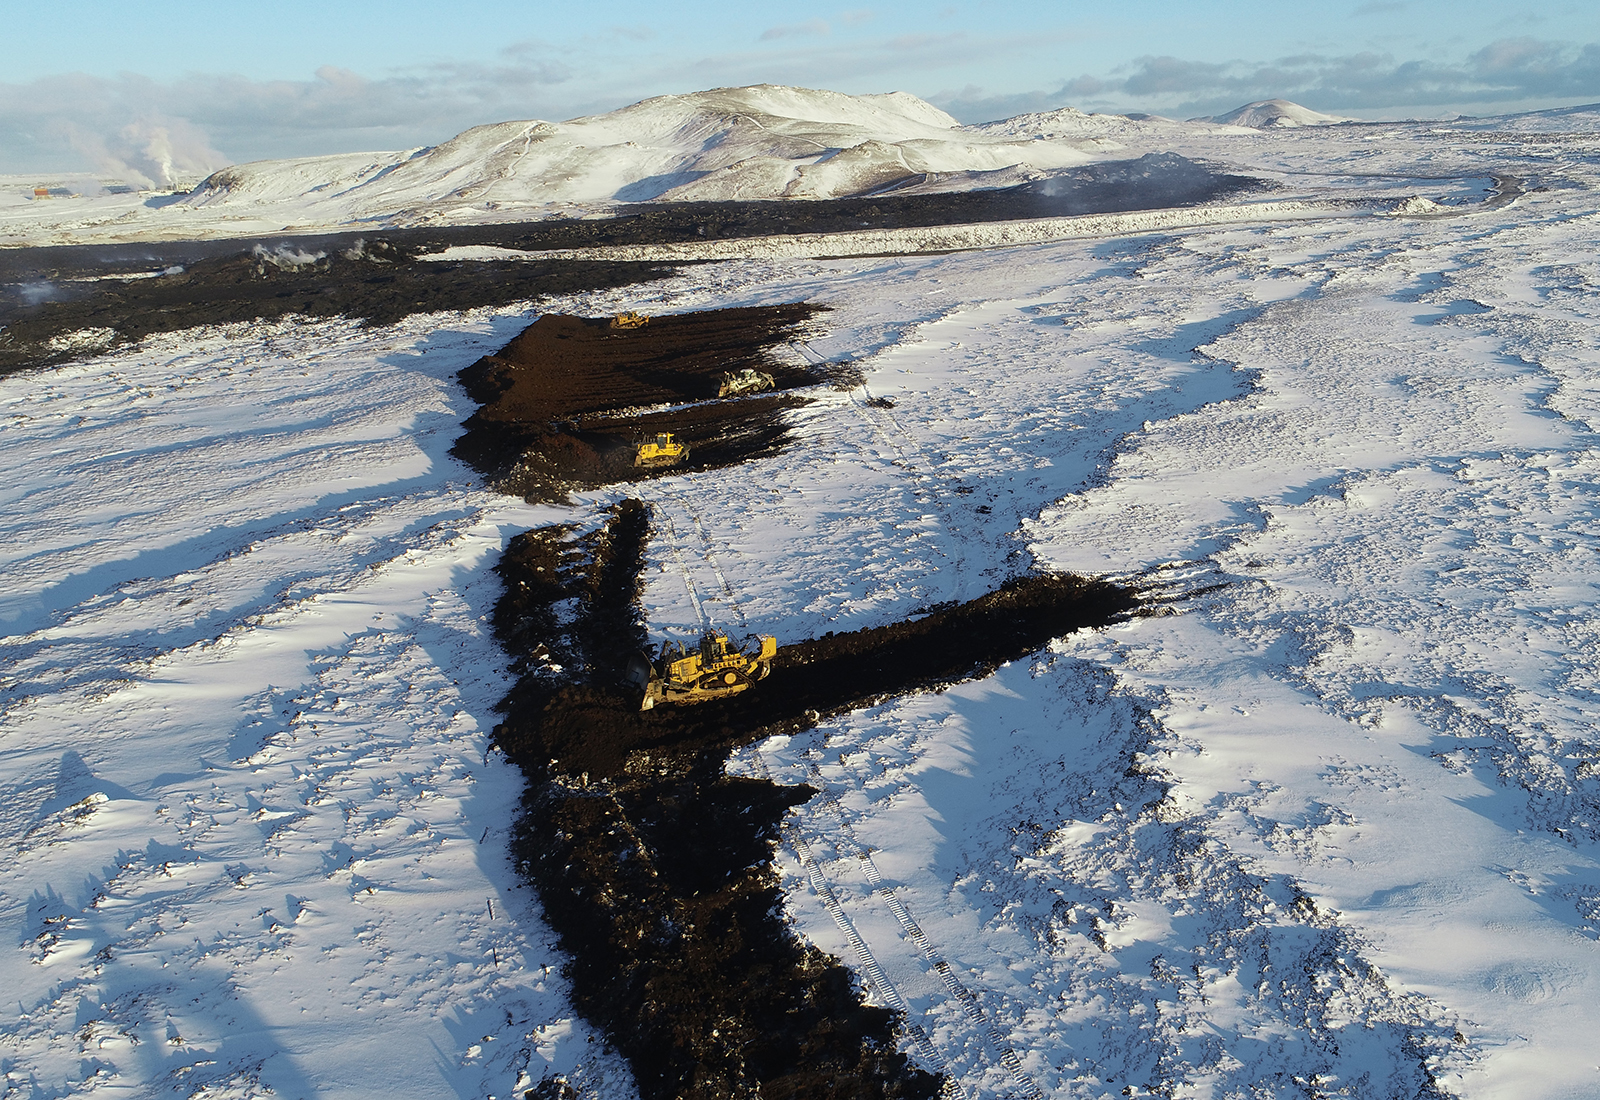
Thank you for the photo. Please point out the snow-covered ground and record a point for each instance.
(253, 837)
(1330, 820)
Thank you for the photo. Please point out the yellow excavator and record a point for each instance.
(663, 450)
(714, 669)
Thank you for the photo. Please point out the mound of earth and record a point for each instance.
(655, 867)
(568, 400)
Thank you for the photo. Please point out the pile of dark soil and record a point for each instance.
(655, 867)
(561, 402)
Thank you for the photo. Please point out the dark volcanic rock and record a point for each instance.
(48, 292)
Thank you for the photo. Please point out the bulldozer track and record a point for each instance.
(922, 488)
(728, 597)
(1006, 1054)
(683, 568)
(711, 559)
(887, 991)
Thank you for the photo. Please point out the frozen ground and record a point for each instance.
(1328, 828)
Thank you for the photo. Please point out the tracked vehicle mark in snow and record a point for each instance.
(880, 981)
(869, 868)
(653, 862)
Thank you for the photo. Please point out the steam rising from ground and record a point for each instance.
(287, 258)
(34, 293)
(168, 134)
(163, 155)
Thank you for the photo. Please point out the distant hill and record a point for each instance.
(1272, 114)
(762, 142)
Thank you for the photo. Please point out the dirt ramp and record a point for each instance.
(566, 402)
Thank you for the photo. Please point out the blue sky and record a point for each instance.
(96, 84)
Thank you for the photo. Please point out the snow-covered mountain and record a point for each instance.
(1272, 114)
(762, 142)
(731, 143)
(1071, 124)
(754, 143)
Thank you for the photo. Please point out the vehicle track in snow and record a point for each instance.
(902, 444)
(887, 990)
(898, 442)
(1006, 1055)
(683, 565)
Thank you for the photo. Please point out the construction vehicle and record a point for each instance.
(716, 668)
(629, 319)
(663, 450)
(739, 383)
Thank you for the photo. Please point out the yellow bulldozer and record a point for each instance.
(739, 383)
(663, 450)
(629, 319)
(714, 669)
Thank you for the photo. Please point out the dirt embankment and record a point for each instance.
(567, 401)
(655, 867)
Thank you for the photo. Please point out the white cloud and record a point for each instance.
(1506, 72)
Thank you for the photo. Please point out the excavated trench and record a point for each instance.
(566, 402)
(652, 864)
(655, 867)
